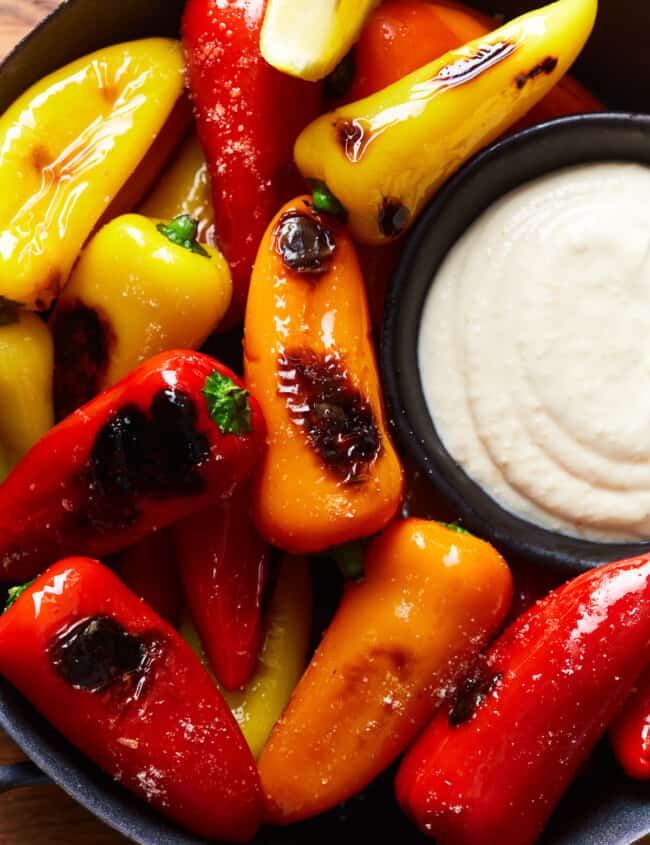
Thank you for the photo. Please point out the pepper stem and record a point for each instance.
(228, 404)
(182, 231)
(453, 526)
(349, 559)
(325, 202)
(15, 593)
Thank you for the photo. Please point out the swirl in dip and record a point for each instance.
(534, 351)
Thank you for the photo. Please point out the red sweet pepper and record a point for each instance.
(493, 764)
(150, 570)
(224, 565)
(121, 685)
(248, 116)
(177, 434)
(629, 733)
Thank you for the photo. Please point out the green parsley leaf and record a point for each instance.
(15, 593)
(228, 404)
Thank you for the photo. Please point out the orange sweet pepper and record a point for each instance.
(331, 474)
(431, 598)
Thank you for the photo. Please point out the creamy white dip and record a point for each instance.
(534, 351)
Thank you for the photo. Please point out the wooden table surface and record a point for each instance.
(44, 814)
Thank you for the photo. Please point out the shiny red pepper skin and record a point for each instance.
(149, 569)
(629, 733)
(492, 766)
(224, 565)
(163, 730)
(248, 116)
(140, 456)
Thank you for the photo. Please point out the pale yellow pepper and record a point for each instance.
(282, 659)
(67, 146)
(384, 157)
(26, 366)
(140, 287)
(184, 188)
(308, 40)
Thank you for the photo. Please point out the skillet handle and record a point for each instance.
(19, 775)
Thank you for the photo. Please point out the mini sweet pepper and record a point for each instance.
(26, 369)
(176, 435)
(120, 684)
(224, 567)
(498, 757)
(248, 116)
(140, 287)
(67, 146)
(331, 473)
(629, 733)
(430, 599)
(282, 658)
(384, 157)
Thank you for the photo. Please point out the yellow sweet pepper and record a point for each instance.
(385, 156)
(308, 40)
(26, 365)
(184, 188)
(140, 287)
(282, 659)
(67, 146)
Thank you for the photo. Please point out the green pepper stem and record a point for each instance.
(349, 559)
(325, 202)
(182, 231)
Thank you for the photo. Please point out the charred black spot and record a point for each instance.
(352, 136)
(305, 244)
(469, 67)
(546, 67)
(475, 690)
(176, 448)
(338, 421)
(136, 455)
(82, 345)
(119, 456)
(393, 218)
(96, 652)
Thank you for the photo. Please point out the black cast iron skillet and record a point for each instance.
(602, 808)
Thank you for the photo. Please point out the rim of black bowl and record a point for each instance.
(492, 173)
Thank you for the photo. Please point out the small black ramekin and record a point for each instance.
(499, 169)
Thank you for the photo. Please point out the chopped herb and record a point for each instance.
(15, 593)
(228, 404)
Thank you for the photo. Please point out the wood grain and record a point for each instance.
(44, 814)
(17, 17)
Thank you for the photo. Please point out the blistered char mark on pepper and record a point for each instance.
(546, 67)
(337, 419)
(137, 454)
(469, 67)
(97, 652)
(305, 244)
